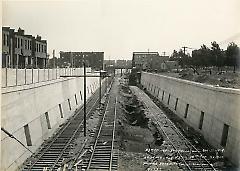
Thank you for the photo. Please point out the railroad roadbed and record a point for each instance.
(102, 154)
(64, 150)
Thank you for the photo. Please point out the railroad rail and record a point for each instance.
(191, 158)
(103, 155)
(54, 152)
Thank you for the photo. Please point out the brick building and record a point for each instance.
(75, 59)
(21, 50)
(148, 60)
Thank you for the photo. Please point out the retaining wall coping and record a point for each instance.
(205, 86)
(11, 89)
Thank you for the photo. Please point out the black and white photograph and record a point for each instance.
(120, 85)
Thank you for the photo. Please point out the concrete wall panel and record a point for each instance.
(4, 81)
(11, 81)
(20, 76)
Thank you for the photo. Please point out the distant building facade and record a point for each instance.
(75, 59)
(170, 65)
(129, 63)
(148, 60)
(109, 63)
(126, 64)
(22, 51)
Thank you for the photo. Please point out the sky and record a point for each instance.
(121, 27)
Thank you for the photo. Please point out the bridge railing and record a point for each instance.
(18, 77)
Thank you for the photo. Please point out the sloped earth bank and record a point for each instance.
(137, 136)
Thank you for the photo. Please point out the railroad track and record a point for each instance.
(188, 155)
(55, 151)
(103, 156)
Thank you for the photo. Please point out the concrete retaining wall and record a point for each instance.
(26, 105)
(219, 105)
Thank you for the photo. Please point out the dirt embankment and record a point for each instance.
(217, 78)
(136, 134)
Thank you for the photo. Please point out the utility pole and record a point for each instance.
(54, 62)
(100, 89)
(71, 58)
(184, 50)
(84, 97)
(84, 90)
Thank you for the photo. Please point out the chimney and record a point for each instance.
(21, 31)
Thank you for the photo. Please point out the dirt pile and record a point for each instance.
(137, 135)
(135, 113)
(216, 78)
(226, 78)
(133, 131)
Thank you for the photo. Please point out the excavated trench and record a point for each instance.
(137, 133)
(140, 143)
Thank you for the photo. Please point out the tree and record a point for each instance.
(217, 57)
(182, 58)
(201, 57)
(232, 55)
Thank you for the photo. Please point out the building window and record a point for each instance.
(60, 110)
(201, 120)
(224, 135)
(27, 135)
(21, 42)
(4, 39)
(25, 44)
(162, 95)
(186, 111)
(8, 40)
(15, 42)
(18, 42)
(30, 45)
(47, 120)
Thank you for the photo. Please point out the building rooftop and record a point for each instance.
(150, 53)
